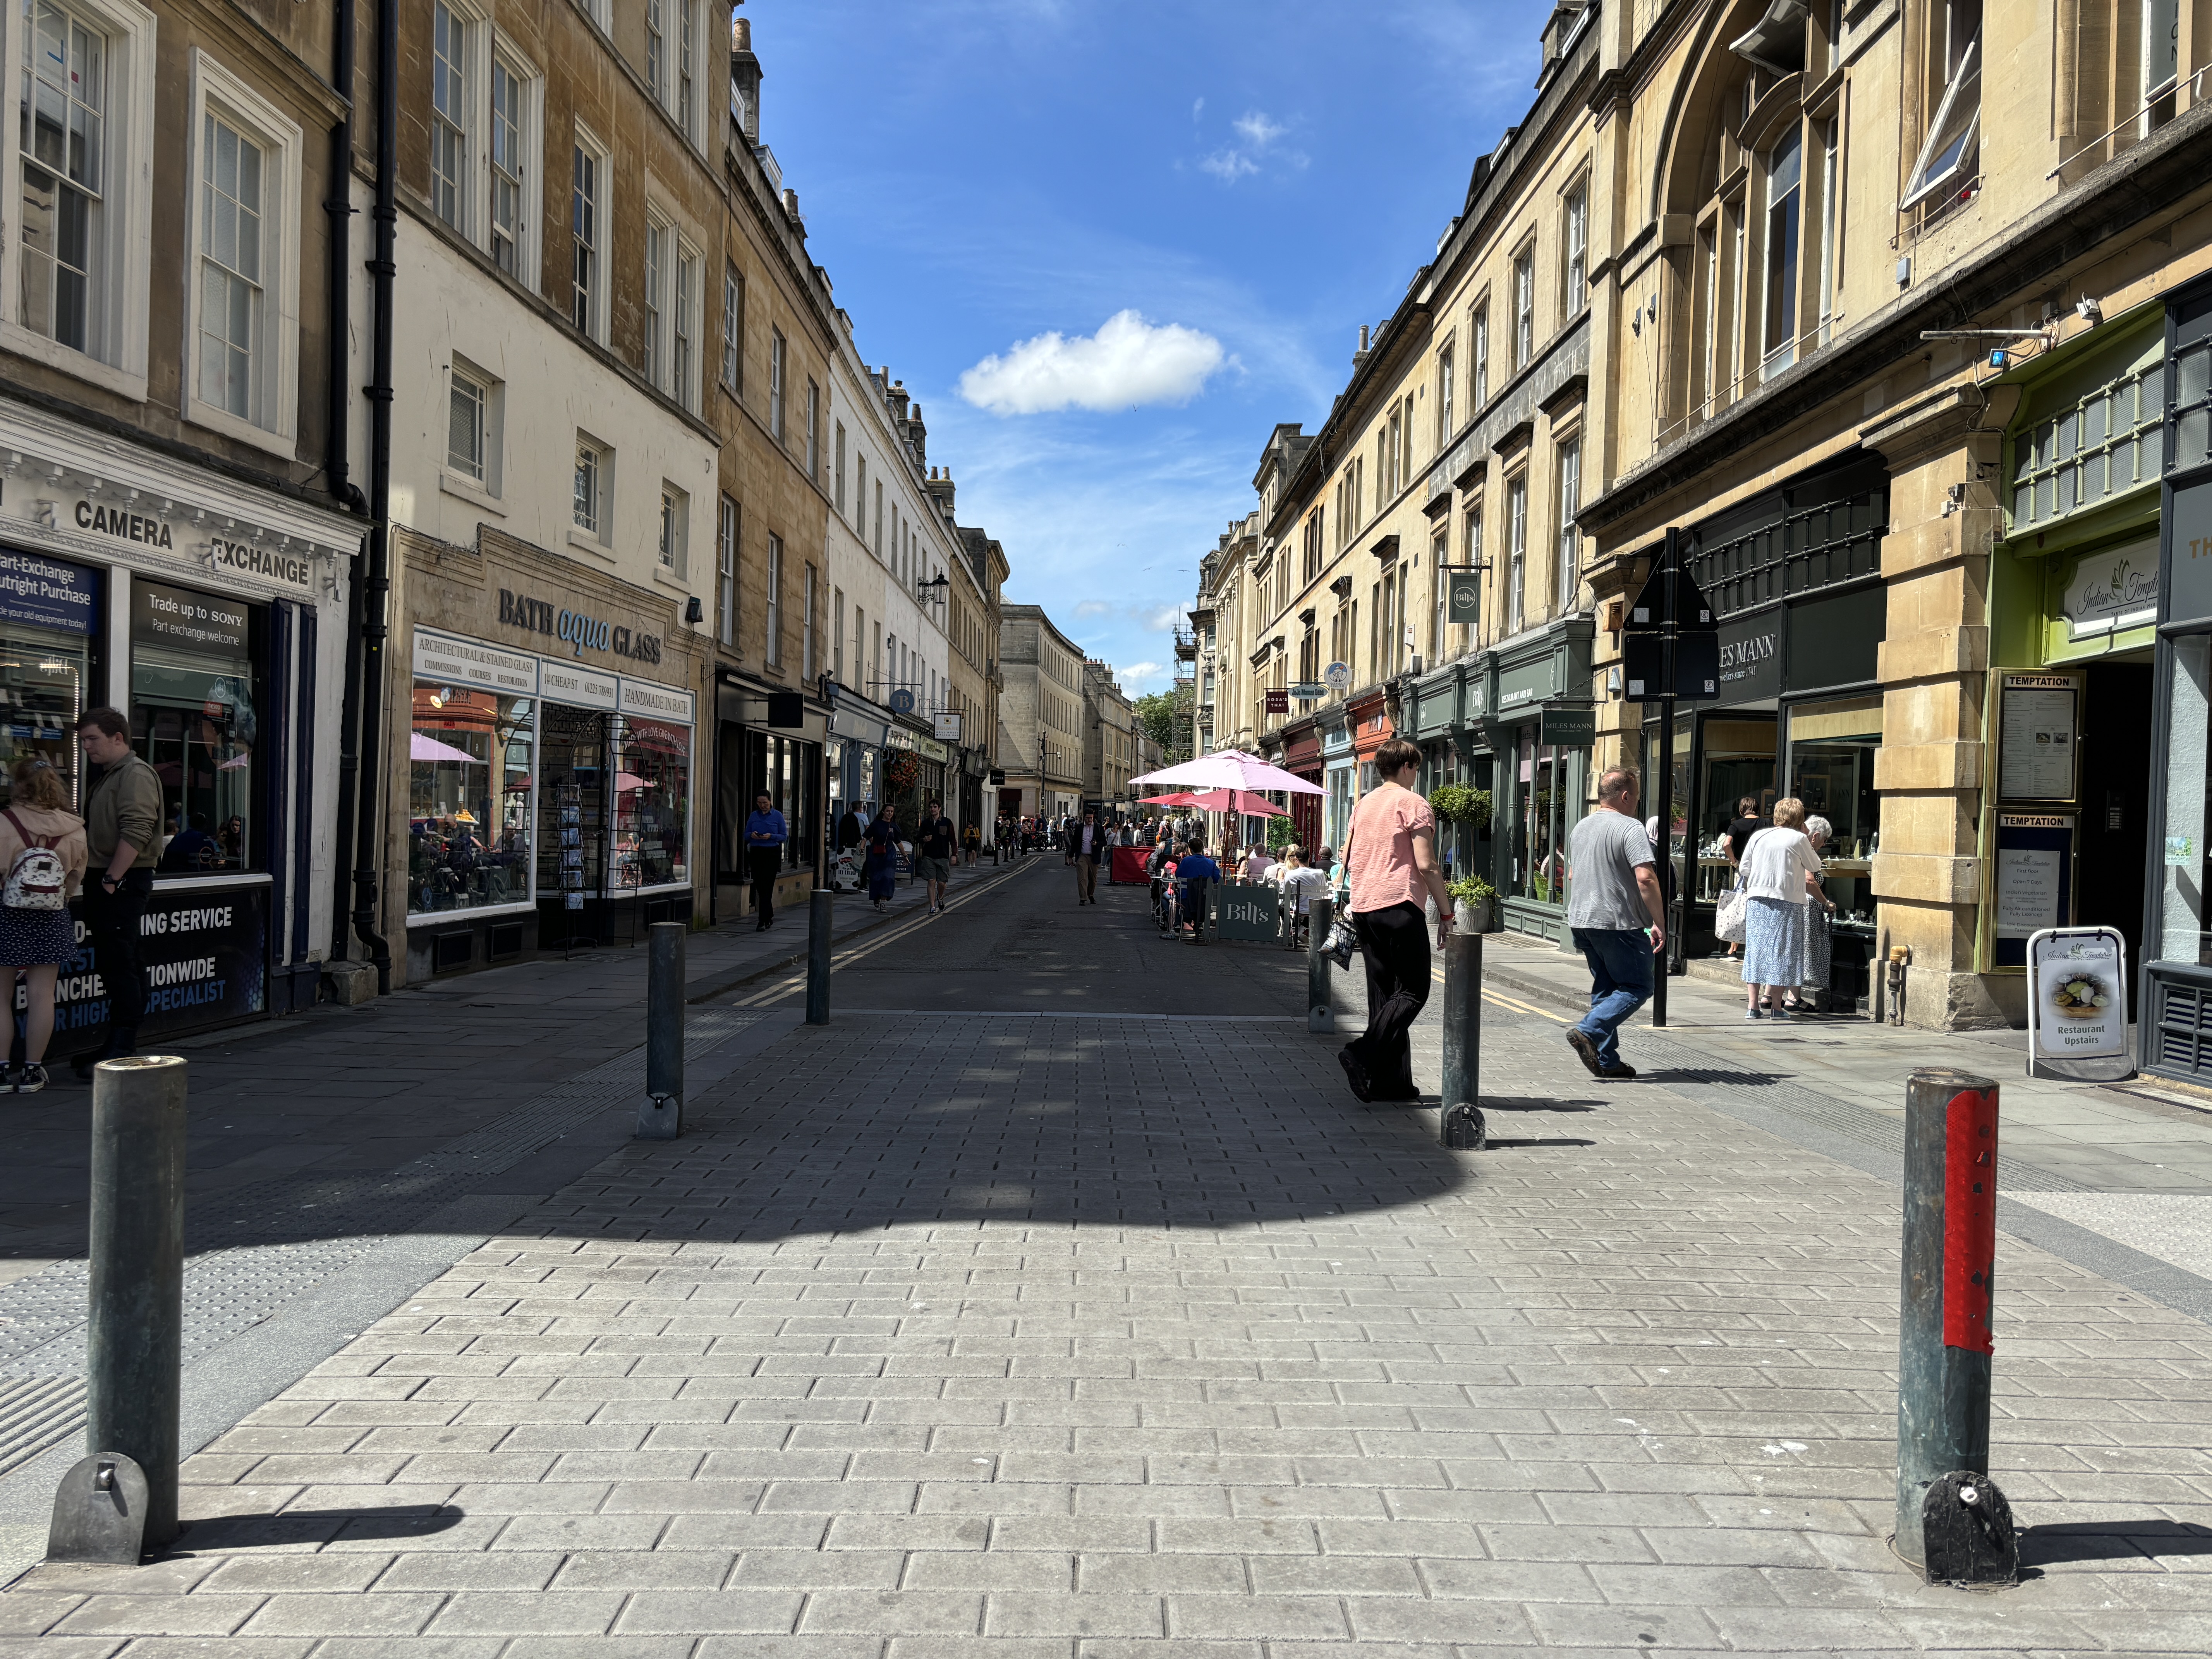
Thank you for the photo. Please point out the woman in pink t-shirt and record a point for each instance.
(1391, 865)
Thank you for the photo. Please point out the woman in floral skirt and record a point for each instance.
(36, 938)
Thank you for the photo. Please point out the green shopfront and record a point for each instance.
(1534, 717)
(1442, 711)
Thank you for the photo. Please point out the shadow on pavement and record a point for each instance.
(2059, 1543)
(297, 1527)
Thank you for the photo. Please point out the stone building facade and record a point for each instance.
(1041, 715)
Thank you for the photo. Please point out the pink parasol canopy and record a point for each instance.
(627, 783)
(429, 748)
(1181, 799)
(1238, 801)
(1232, 769)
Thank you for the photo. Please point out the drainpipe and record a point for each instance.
(366, 673)
(338, 205)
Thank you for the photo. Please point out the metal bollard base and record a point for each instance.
(100, 1512)
(660, 1117)
(1968, 1529)
(1465, 1129)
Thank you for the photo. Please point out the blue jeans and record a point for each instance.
(1620, 982)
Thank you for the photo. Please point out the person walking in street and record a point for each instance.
(122, 818)
(1391, 855)
(1780, 873)
(42, 853)
(1613, 898)
(881, 866)
(932, 850)
(765, 835)
(971, 843)
(1087, 846)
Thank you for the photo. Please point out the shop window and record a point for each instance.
(1831, 762)
(1542, 817)
(45, 663)
(653, 806)
(469, 773)
(196, 691)
(572, 822)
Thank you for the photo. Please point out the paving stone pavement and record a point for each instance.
(950, 1332)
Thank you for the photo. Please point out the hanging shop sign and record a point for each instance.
(47, 593)
(2113, 591)
(945, 727)
(205, 951)
(1567, 727)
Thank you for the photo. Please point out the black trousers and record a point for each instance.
(766, 863)
(111, 920)
(1394, 945)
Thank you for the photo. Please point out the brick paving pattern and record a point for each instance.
(955, 1333)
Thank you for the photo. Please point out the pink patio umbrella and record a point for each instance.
(1232, 769)
(1179, 798)
(1238, 801)
(429, 748)
(629, 783)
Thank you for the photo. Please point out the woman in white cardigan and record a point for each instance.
(1779, 868)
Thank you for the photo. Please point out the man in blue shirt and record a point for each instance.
(1194, 873)
(764, 839)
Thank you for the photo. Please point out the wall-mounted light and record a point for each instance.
(2088, 310)
(1612, 681)
(692, 610)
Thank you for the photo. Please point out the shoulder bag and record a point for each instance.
(1729, 915)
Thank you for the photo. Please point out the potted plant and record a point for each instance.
(1456, 803)
(1476, 901)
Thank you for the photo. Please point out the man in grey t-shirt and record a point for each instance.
(1614, 875)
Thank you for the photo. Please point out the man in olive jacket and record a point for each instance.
(121, 820)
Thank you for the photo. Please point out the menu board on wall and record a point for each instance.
(2037, 737)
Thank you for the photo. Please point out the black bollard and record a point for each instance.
(1954, 1529)
(1320, 1017)
(134, 1344)
(1462, 1124)
(817, 958)
(661, 1114)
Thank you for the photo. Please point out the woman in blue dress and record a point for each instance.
(881, 866)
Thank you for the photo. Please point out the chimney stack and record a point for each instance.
(918, 435)
(745, 76)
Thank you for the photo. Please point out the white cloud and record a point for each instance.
(1258, 130)
(1127, 363)
(1160, 618)
(1137, 672)
(1198, 109)
(1095, 608)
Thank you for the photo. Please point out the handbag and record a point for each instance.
(1732, 913)
(1343, 944)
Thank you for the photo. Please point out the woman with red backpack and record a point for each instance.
(42, 850)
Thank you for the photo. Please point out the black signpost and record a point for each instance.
(1670, 652)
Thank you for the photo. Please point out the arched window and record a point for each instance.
(1755, 171)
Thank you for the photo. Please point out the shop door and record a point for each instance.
(2111, 853)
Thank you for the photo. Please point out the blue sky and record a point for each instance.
(1252, 181)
